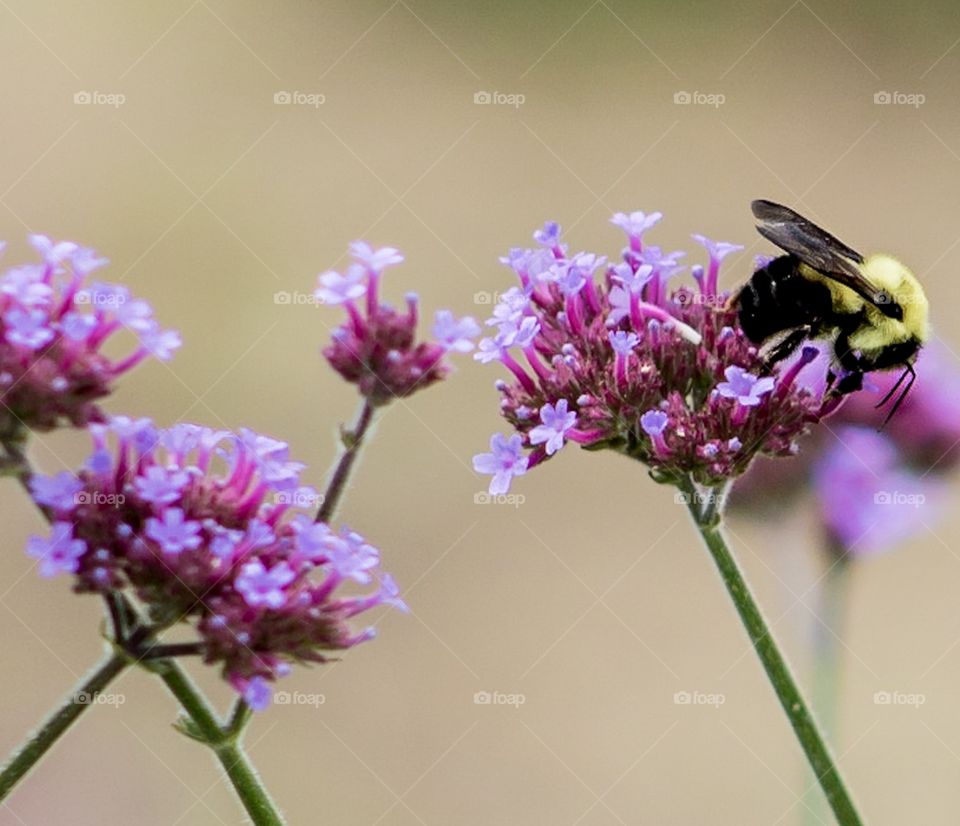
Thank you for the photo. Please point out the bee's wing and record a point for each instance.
(815, 247)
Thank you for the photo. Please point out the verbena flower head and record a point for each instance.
(209, 527)
(869, 502)
(610, 355)
(54, 322)
(376, 348)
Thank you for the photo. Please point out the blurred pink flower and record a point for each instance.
(849, 464)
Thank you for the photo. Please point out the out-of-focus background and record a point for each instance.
(222, 152)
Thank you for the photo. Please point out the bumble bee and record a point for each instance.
(873, 309)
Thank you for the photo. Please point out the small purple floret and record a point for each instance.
(504, 461)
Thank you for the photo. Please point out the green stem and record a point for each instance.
(708, 523)
(44, 738)
(352, 442)
(225, 743)
(239, 717)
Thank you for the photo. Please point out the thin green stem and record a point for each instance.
(778, 672)
(161, 651)
(119, 618)
(43, 739)
(239, 717)
(352, 443)
(225, 743)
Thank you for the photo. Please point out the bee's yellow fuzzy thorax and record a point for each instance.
(890, 275)
(880, 331)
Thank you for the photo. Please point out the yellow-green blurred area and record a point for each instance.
(593, 599)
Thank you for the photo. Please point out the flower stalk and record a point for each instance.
(708, 519)
(225, 741)
(352, 440)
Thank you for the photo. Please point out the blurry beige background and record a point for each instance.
(593, 599)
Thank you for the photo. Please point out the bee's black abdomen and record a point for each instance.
(779, 298)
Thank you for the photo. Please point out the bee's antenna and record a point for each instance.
(908, 370)
(893, 389)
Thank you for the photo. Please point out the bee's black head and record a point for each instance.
(887, 305)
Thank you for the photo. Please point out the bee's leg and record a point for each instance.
(850, 383)
(785, 348)
(853, 365)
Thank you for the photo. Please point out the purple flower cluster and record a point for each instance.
(376, 348)
(54, 322)
(205, 525)
(624, 361)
